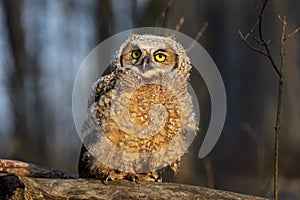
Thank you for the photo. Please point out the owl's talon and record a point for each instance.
(133, 178)
(108, 178)
(136, 180)
(158, 179)
(105, 182)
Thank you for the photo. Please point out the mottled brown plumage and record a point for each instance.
(139, 115)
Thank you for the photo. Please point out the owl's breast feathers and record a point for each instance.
(98, 110)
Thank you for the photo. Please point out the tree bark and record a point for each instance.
(22, 187)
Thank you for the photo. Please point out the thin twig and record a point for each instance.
(251, 30)
(165, 14)
(262, 40)
(261, 36)
(179, 24)
(258, 41)
(279, 69)
(198, 36)
(292, 34)
(279, 102)
(202, 30)
(251, 46)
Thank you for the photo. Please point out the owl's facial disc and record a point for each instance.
(148, 62)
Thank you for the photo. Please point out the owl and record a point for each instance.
(140, 113)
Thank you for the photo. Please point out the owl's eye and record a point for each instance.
(160, 57)
(135, 54)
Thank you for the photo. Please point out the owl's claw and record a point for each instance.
(136, 180)
(133, 178)
(109, 177)
(158, 179)
(105, 181)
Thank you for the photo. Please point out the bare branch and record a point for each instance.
(198, 36)
(297, 30)
(279, 70)
(202, 30)
(261, 36)
(251, 46)
(18, 187)
(279, 102)
(282, 42)
(258, 40)
(260, 19)
(179, 24)
(251, 30)
(31, 170)
(165, 14)
(261, 40)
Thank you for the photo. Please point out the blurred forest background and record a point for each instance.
(42, 44)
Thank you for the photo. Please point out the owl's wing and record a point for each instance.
(91, 125)
(100, 87)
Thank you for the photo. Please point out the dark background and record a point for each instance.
(42, 44)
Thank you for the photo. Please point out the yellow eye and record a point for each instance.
(136, 54)
(160, 57)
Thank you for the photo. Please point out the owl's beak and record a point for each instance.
(146, 61)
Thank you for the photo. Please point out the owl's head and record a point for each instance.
(149, 55)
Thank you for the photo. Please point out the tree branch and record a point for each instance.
(31, 170)
(198, 36)
(261, 40)
(165, 14)
(292, 34)
(17, 187)
(279, 69)
(244, 39)
(179, 24)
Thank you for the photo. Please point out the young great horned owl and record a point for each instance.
(139, 114)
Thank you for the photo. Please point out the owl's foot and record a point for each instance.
(114, 175)
(156, 179)
(151, 176)
(110, 177)
(133, 177)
